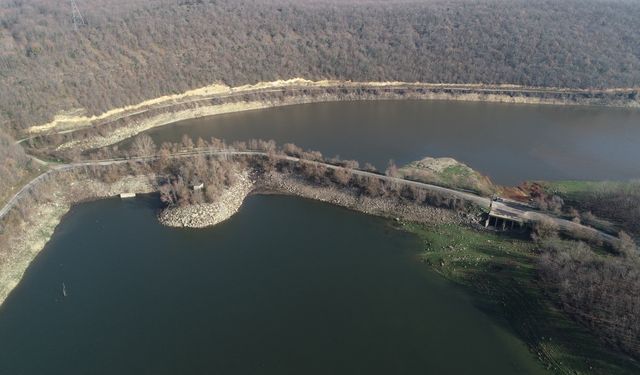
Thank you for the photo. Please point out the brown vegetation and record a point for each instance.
(601, 291)
(176, 178)
(619, 204)
(132, 50)
(15, 165)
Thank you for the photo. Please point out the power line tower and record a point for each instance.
(78, 20)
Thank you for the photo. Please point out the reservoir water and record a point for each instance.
(510, 143)
(287, 286)
(291, 286)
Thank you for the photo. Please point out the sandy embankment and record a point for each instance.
(219, 99)
(74, 119)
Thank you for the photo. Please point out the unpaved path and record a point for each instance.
(521, 212)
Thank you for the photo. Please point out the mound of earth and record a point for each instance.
(448, 172)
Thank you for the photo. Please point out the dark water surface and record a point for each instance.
(287, 286)
(509, 142)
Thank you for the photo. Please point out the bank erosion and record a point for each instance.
(74, 131)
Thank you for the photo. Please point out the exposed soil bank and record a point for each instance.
(121, 123)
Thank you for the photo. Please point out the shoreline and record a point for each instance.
(204, 215)
(34, 221)
(408, 214)
(80, 131)
(35, 232)
(282, 184)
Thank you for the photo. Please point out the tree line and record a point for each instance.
(215, 173)
(600, 290)
(133, 50)
(15, 166)
(619, 203)
(175, 177)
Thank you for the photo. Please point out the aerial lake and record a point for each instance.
(509, 142)
(287, 286)
(293, 286)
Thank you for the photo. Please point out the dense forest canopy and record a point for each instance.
(131, 50)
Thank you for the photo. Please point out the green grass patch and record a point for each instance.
(455, 171)
(573, 189)
(500, 273)
(610, 206)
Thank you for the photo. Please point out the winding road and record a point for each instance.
(514, 210)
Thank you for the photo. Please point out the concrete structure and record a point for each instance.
(503, 217)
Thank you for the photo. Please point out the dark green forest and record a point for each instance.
(131, 50)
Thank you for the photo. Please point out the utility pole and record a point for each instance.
(78, 20)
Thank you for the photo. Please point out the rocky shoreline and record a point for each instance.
(208, 214)
(278, 183)
(32, 234)
(231, 199)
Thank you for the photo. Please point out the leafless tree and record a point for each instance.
(143, 145)
(392, 169)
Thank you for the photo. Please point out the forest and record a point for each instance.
(126, 51)
(15, 166)
(600, 290)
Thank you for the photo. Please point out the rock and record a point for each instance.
(209, 214)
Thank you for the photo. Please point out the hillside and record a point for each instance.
(133, 50)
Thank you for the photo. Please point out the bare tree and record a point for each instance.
(626, 245)
(392, 169)
(143, 145)
(187, 142)
(342, 176)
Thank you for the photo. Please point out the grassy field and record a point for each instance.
(610, 206)
(500, 272)
(573, 189)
